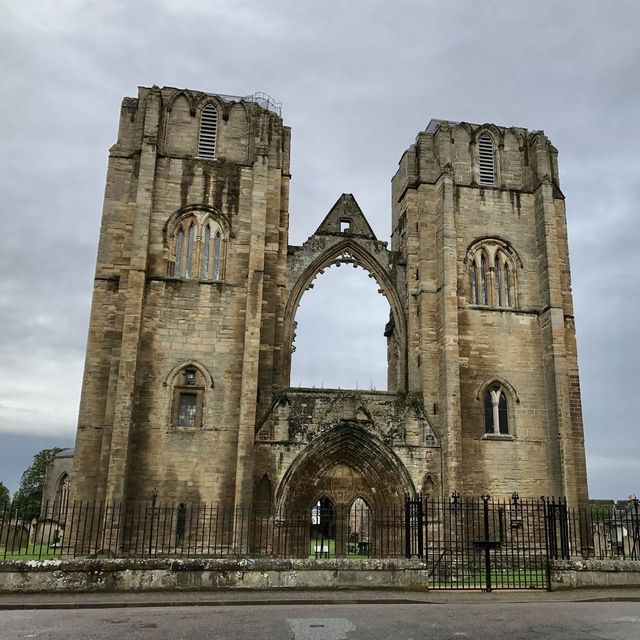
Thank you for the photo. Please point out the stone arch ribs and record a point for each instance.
(326, 247)
(381, 478)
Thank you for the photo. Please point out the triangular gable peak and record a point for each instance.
(346, 218)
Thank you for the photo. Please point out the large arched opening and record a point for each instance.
(392, 330)
(339, 340)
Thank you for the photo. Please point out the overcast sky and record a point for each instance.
(357, 80)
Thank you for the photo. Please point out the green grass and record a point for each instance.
(32, 552)
(331, 544)
(508, 578)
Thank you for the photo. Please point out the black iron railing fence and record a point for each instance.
(461, 539)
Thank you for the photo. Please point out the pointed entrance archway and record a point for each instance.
(345, 464)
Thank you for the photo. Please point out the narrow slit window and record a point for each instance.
(190, 242)
(483, 276)
(474, 283)
(496, 275)
(488, 413)
(503, 414)
(177, 267)
(208, 133)
(206, 250)
(217, 249)
(486, 158)
(507, 285)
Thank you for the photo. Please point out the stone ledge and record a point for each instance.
(580, 574)
(157, 574)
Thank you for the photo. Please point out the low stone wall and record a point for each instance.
(165, 574)
(577, 574)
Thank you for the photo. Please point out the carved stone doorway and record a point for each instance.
(346, 466)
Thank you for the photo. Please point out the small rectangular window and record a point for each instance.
(190, 377)
(187, 410)
(345, 225)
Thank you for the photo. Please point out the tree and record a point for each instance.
(4, 495)
(32, 482)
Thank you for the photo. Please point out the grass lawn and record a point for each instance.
(330, 546)
(32, 552)
(506, 579)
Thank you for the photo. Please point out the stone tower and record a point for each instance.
(191, 259)
(479, 223)
(186, 388)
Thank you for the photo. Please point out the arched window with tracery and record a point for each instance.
(496, 410)
(208, 132)
(492, 274)
(486, 160)
(197, 247)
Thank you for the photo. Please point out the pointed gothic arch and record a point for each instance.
(346, 251)
(379, 475)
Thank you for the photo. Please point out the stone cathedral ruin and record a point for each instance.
(187, 378)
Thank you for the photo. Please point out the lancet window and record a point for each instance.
(496, 410)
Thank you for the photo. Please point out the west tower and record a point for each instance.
(185, 305)
(479, 222)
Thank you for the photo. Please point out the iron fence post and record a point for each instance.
(487, 553)
(407, 529)
(154, 497)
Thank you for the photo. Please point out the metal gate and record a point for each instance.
(482, 543)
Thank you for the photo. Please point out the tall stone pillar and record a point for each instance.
(133, 281)
(448, 331)
(252, 331)
(564, 462)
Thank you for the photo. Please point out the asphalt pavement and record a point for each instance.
(487, 618)
(293, 597)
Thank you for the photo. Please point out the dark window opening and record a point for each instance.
(503, 414)
(488, 413)
(187, 410)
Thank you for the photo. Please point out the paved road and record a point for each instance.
(425, 621)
